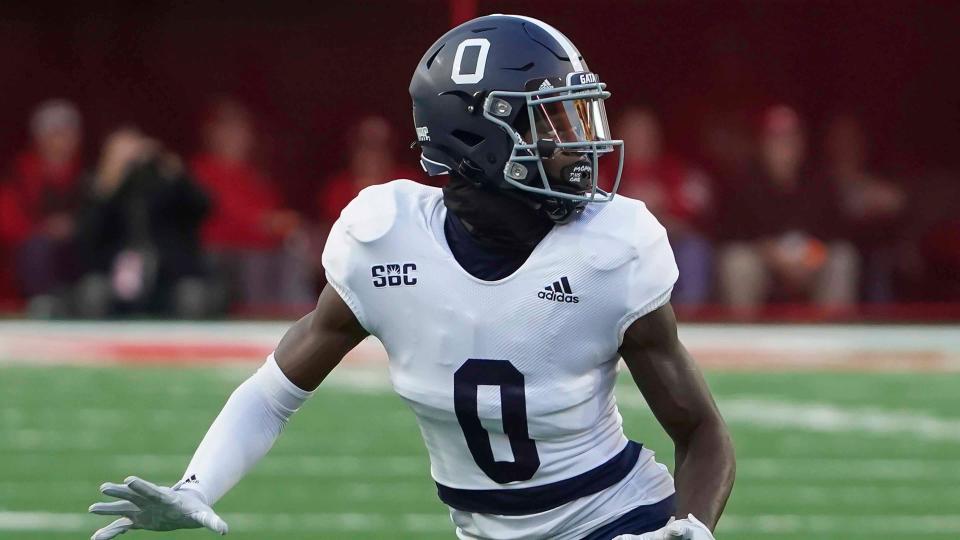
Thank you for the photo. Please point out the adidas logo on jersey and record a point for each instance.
(560, 291)
(545, 84)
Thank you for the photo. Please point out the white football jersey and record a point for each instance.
(511, 380)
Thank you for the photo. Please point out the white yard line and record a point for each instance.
(803, 489)
(377, 470)
(776, 414)
(829, 418)
(853, 468)
(45, 521)
(886, 526)
(757, 412)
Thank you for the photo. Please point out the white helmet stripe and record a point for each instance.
(565, 43)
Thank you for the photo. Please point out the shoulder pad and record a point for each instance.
(373, 212)
(618, 232)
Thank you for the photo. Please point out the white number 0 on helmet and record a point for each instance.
(477, 75)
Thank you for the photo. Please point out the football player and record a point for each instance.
(505, 302)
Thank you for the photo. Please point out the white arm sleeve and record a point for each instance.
(244, 431)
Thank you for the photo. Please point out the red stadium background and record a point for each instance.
(309, 70)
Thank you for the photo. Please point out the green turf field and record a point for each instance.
(821, 455)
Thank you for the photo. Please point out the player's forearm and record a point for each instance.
(257, 411)
(244, 432)
(704, 472)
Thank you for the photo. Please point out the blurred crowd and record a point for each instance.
(764, 215)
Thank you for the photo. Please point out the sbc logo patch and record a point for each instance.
(394, 275)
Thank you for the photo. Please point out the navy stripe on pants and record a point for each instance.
(533, 500)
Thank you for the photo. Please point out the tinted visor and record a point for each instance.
(571, 116)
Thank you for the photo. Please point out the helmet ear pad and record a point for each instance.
(484, 146)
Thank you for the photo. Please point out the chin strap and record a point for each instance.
(577, 177)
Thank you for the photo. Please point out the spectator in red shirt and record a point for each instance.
(37, 205)
(251, 236)
(679, 195)
(371, 161)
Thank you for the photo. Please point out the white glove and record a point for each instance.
(676, 529)
(155, 508)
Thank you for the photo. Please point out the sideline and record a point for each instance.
(716, 346)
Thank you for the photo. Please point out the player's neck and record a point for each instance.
(480, 261)
(495, 221)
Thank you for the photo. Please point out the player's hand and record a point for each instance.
(143, 505)
(676, 529)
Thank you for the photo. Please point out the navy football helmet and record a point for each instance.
(497, 96)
